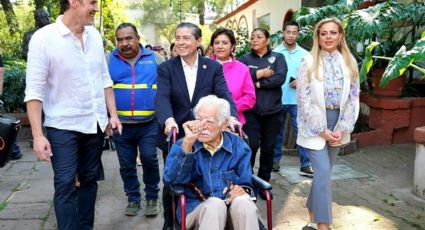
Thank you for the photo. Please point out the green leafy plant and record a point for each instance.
(402, 60)
(243, 45)
(386, 29)
(276, 38)
(14, 86)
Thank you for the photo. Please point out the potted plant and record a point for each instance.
(398, 64)
(394, 25)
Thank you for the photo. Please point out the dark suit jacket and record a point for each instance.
(172, 98)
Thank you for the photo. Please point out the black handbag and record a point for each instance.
(9, 127)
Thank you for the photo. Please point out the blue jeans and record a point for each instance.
(292, 110)
(140, 137)
(16, 151)
(75, 153)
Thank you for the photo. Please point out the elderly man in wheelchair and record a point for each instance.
(214, 167)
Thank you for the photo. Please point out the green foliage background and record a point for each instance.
(11, 44)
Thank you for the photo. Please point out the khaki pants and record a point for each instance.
(212, 214)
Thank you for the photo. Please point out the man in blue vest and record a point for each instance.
(133, 70)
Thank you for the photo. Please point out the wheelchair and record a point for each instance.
(260, 185)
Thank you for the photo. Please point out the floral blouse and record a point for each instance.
(334, 79)
(311, 120)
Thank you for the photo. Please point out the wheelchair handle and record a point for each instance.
(172, 135)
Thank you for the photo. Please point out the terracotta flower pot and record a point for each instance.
(392, 90)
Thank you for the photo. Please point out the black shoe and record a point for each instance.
(276, 166)
(310, 226)
(15, 156)
(306, 171)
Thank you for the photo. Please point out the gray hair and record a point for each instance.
(219, 104)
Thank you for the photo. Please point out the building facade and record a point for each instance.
(269, 14)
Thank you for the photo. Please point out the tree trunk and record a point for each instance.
(12, 22)
(38, 4)
(201, 12)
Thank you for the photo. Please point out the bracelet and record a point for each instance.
(322, 133)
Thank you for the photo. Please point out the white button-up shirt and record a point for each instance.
(190, 73)
(68, 79)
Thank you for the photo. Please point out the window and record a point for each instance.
(264, 22)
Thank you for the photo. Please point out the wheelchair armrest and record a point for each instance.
(260, 183)
(177, 190)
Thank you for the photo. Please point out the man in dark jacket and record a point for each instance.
(182, 81)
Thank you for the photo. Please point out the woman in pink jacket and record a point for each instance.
(236, 73)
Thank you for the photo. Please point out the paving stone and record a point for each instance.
(21, 224)
(24, 211)
(7, 186)
(34, 191)
(20, 168)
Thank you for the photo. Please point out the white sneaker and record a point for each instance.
(310, 226)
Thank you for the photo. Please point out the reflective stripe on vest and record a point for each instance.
(135, 113)
(130, 86)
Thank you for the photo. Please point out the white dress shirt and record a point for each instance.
(67, 78)
(190, 73)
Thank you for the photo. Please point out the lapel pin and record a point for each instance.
(204, 66)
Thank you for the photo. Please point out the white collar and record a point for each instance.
(195, 66)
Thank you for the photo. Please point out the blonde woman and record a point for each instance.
(328, 106)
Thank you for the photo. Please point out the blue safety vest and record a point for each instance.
(134, 86)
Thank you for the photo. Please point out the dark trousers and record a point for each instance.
(262, 132)
(302, 152)
(75, 153)
(143, 137)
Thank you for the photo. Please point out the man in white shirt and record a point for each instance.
(67, 78)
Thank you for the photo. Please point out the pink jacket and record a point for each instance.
(240, 85)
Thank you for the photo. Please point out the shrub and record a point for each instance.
(14, 86)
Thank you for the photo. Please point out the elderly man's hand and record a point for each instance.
(192, 130)
(236, 191)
